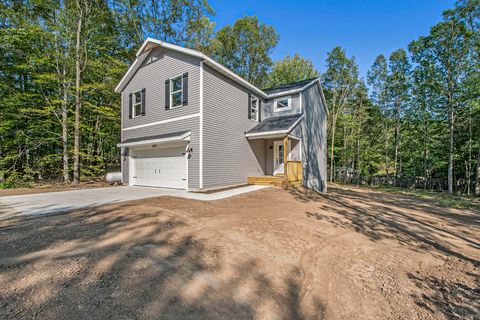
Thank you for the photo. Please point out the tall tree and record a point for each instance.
(468, 11)
(398, 87)
(291, 69)
(82, 10)
(377, 78)
(423, 108)
(339, 81)
(245, 48)
(447, 48)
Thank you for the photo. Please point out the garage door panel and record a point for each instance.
(164, 167)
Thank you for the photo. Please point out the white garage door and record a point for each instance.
(163, 167)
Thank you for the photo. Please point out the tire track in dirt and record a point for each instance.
(308, 264)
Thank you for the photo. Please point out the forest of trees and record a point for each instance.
(413, 122)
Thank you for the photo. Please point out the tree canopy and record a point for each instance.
(246, 48)
(291, 69)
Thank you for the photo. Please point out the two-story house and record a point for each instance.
(188, 122)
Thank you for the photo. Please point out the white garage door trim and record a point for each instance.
(161, 166)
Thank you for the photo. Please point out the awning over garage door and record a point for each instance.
(163, 138)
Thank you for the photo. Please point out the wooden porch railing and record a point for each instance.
(294, 171)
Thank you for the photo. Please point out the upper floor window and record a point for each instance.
(254, 108)
(136, 106)
(283, 103)
(176, 91)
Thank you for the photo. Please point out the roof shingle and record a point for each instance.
(278, 123)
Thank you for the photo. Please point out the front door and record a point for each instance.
(278, 157)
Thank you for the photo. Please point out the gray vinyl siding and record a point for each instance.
(164, 65)
(314, 139)
(269, 156)
(191, 124)
(228, 157)
(267, 109)
(152, 77)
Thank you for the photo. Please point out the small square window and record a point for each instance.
(281, 104)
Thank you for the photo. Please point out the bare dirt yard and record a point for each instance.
(270, 254)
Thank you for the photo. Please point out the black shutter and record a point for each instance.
(249, 106)
(167, 94)
(143, 101)
(185, 89)
(130, 106)
(259, 110)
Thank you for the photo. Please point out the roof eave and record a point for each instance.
(293, 91)
(181, 137)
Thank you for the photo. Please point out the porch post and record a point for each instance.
(285, 157)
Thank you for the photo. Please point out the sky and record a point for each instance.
(364, 28)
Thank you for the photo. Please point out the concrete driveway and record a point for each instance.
(55, 202)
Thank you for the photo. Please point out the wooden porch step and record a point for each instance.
(266, 180)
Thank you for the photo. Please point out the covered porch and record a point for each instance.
(278, 151)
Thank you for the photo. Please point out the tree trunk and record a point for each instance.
(78, 102)
(477, 178)
(385, 137)
(426, 151)
(397, 143)
(469, 165)
(66, 177)
(332, 162)
(345, 152)
(451, 120)
(358, 152)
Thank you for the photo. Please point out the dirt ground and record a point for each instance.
(270, 254)
(55, 186)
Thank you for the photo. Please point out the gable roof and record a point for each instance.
(290, 86)
(151, 43)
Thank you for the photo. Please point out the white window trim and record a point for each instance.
(134, 104)
(257, 108)
(172, 92)
(275, 107)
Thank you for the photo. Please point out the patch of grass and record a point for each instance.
(441, 198)
(8, 184)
